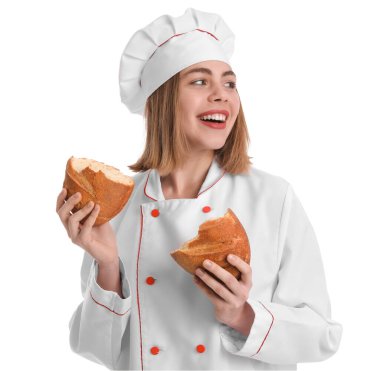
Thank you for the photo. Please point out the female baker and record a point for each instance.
(141, 310)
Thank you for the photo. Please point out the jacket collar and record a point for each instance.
(153, 190)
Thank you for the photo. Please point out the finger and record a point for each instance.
(61, 199)
(90, 244)
(219, 289)
(207, 291)
(223, 275)
(90, 221)
(73, 221)
(80, 214)
(65, 211)
(243, 267)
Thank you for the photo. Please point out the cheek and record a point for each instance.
(188, 100)
(236, 103)
(189, 107)
(236, 109)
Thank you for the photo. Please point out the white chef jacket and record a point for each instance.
(165, 322)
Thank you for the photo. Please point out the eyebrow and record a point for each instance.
(208, 71)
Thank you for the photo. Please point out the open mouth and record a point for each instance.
(216, 118)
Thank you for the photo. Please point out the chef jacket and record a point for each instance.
(165, 322)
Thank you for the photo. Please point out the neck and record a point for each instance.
(186, 181)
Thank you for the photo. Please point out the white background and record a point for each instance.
(308, 77)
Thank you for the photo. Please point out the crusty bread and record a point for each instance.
(216, 238)
(103, 184)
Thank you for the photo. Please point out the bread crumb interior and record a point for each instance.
(110, 172)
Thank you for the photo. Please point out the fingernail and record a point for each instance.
(207, 263)
(231, 257)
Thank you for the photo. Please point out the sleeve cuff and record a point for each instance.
(110, 299)
(249, 346)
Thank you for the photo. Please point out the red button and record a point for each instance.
(200, 348)
(206, 209)
(155, 350)
(155, 213)
(150, 280)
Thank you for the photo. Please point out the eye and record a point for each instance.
(196, 82)
(232, 84)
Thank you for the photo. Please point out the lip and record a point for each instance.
(213, 112)
(214, 125)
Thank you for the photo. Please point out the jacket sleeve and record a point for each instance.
(99, 322)
(296, 325)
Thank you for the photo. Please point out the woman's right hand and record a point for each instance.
(99, 241)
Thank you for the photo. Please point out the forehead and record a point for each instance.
(215, 67)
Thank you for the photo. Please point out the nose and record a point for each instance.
(218, 94)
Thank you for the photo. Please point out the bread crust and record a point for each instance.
(216, 239)
(97, 187)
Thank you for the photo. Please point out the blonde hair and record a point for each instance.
(166, 145)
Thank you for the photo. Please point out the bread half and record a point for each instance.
(216, 238)
(103, 184)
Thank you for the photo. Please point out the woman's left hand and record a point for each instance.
(229, 300)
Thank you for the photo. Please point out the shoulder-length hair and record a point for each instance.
(166, 145)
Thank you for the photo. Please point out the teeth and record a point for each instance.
(219, 117)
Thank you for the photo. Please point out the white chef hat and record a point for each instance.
(166, 46)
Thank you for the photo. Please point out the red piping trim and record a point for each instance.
(179, 34)
(137, 285)
(198, 29)
(146, 183)
(147, 178)
(119, 314)
(268, 330)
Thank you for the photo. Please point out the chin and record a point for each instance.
(214, 146)
(219, 146)
(208, 143)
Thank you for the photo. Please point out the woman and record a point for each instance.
(140, 310)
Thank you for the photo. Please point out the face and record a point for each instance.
(207, 91)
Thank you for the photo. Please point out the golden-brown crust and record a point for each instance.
(95, 186)
(215, 240)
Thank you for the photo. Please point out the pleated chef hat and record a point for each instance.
(166, 46)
